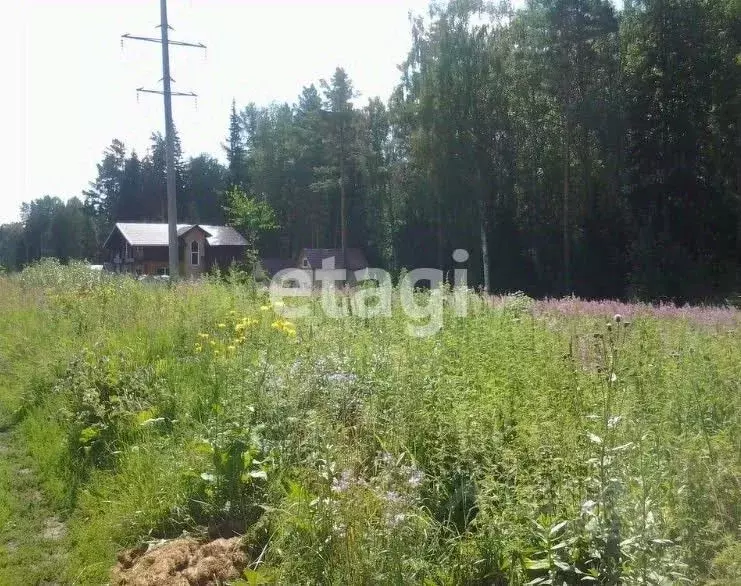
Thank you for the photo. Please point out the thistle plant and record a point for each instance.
(605, 525)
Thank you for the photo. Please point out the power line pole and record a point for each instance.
(343, 204)
(167, 93)
(172, 209)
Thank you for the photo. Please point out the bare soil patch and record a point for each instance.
(54, 529)
(181, 562)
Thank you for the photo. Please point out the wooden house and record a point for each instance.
(142, 248)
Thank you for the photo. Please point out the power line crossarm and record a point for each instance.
(162, 93)
(159, 41)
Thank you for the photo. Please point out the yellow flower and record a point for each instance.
(221, 326)
(264, 308)
(212, 342)
(203, 336)
(231, 348)
(232, 312)
(199, 348)
(284, 326)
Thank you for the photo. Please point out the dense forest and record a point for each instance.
(569, 146)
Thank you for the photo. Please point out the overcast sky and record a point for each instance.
(70, 86)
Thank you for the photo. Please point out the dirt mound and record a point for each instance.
(182, 562)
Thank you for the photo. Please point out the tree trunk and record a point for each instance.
(485, 251)
(440, 247)
(484, 235)
(566, 224)
(343, 210)
(738, 191)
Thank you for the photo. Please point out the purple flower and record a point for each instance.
(342, 483)
(702, 315)
(393, 497)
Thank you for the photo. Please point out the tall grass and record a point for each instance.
(522, 444)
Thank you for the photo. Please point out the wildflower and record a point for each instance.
(199, 348)
(212, 342)
(386, 458)
(291, 332)
(393, 497)
(618, 318)
(203, 336)
(232, 312)
(221, 326)
(416, 478)
(397, 519)
(342, 483)
(264, 308)
(231, 348)
(341, 377)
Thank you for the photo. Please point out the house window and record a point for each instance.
(162, 271)
(194, 253)
(305, 264)
(138, 252)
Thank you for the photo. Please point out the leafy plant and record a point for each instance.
(252, 216)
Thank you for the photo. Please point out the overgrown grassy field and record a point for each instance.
(530, 442)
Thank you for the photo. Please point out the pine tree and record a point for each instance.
(236, 152)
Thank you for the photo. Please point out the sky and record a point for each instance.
(70, 86)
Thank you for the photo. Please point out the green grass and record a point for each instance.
(28, 553)
(514, 446)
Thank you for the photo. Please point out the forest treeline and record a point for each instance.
(568, 146)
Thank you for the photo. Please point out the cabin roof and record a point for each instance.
(151, 234)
